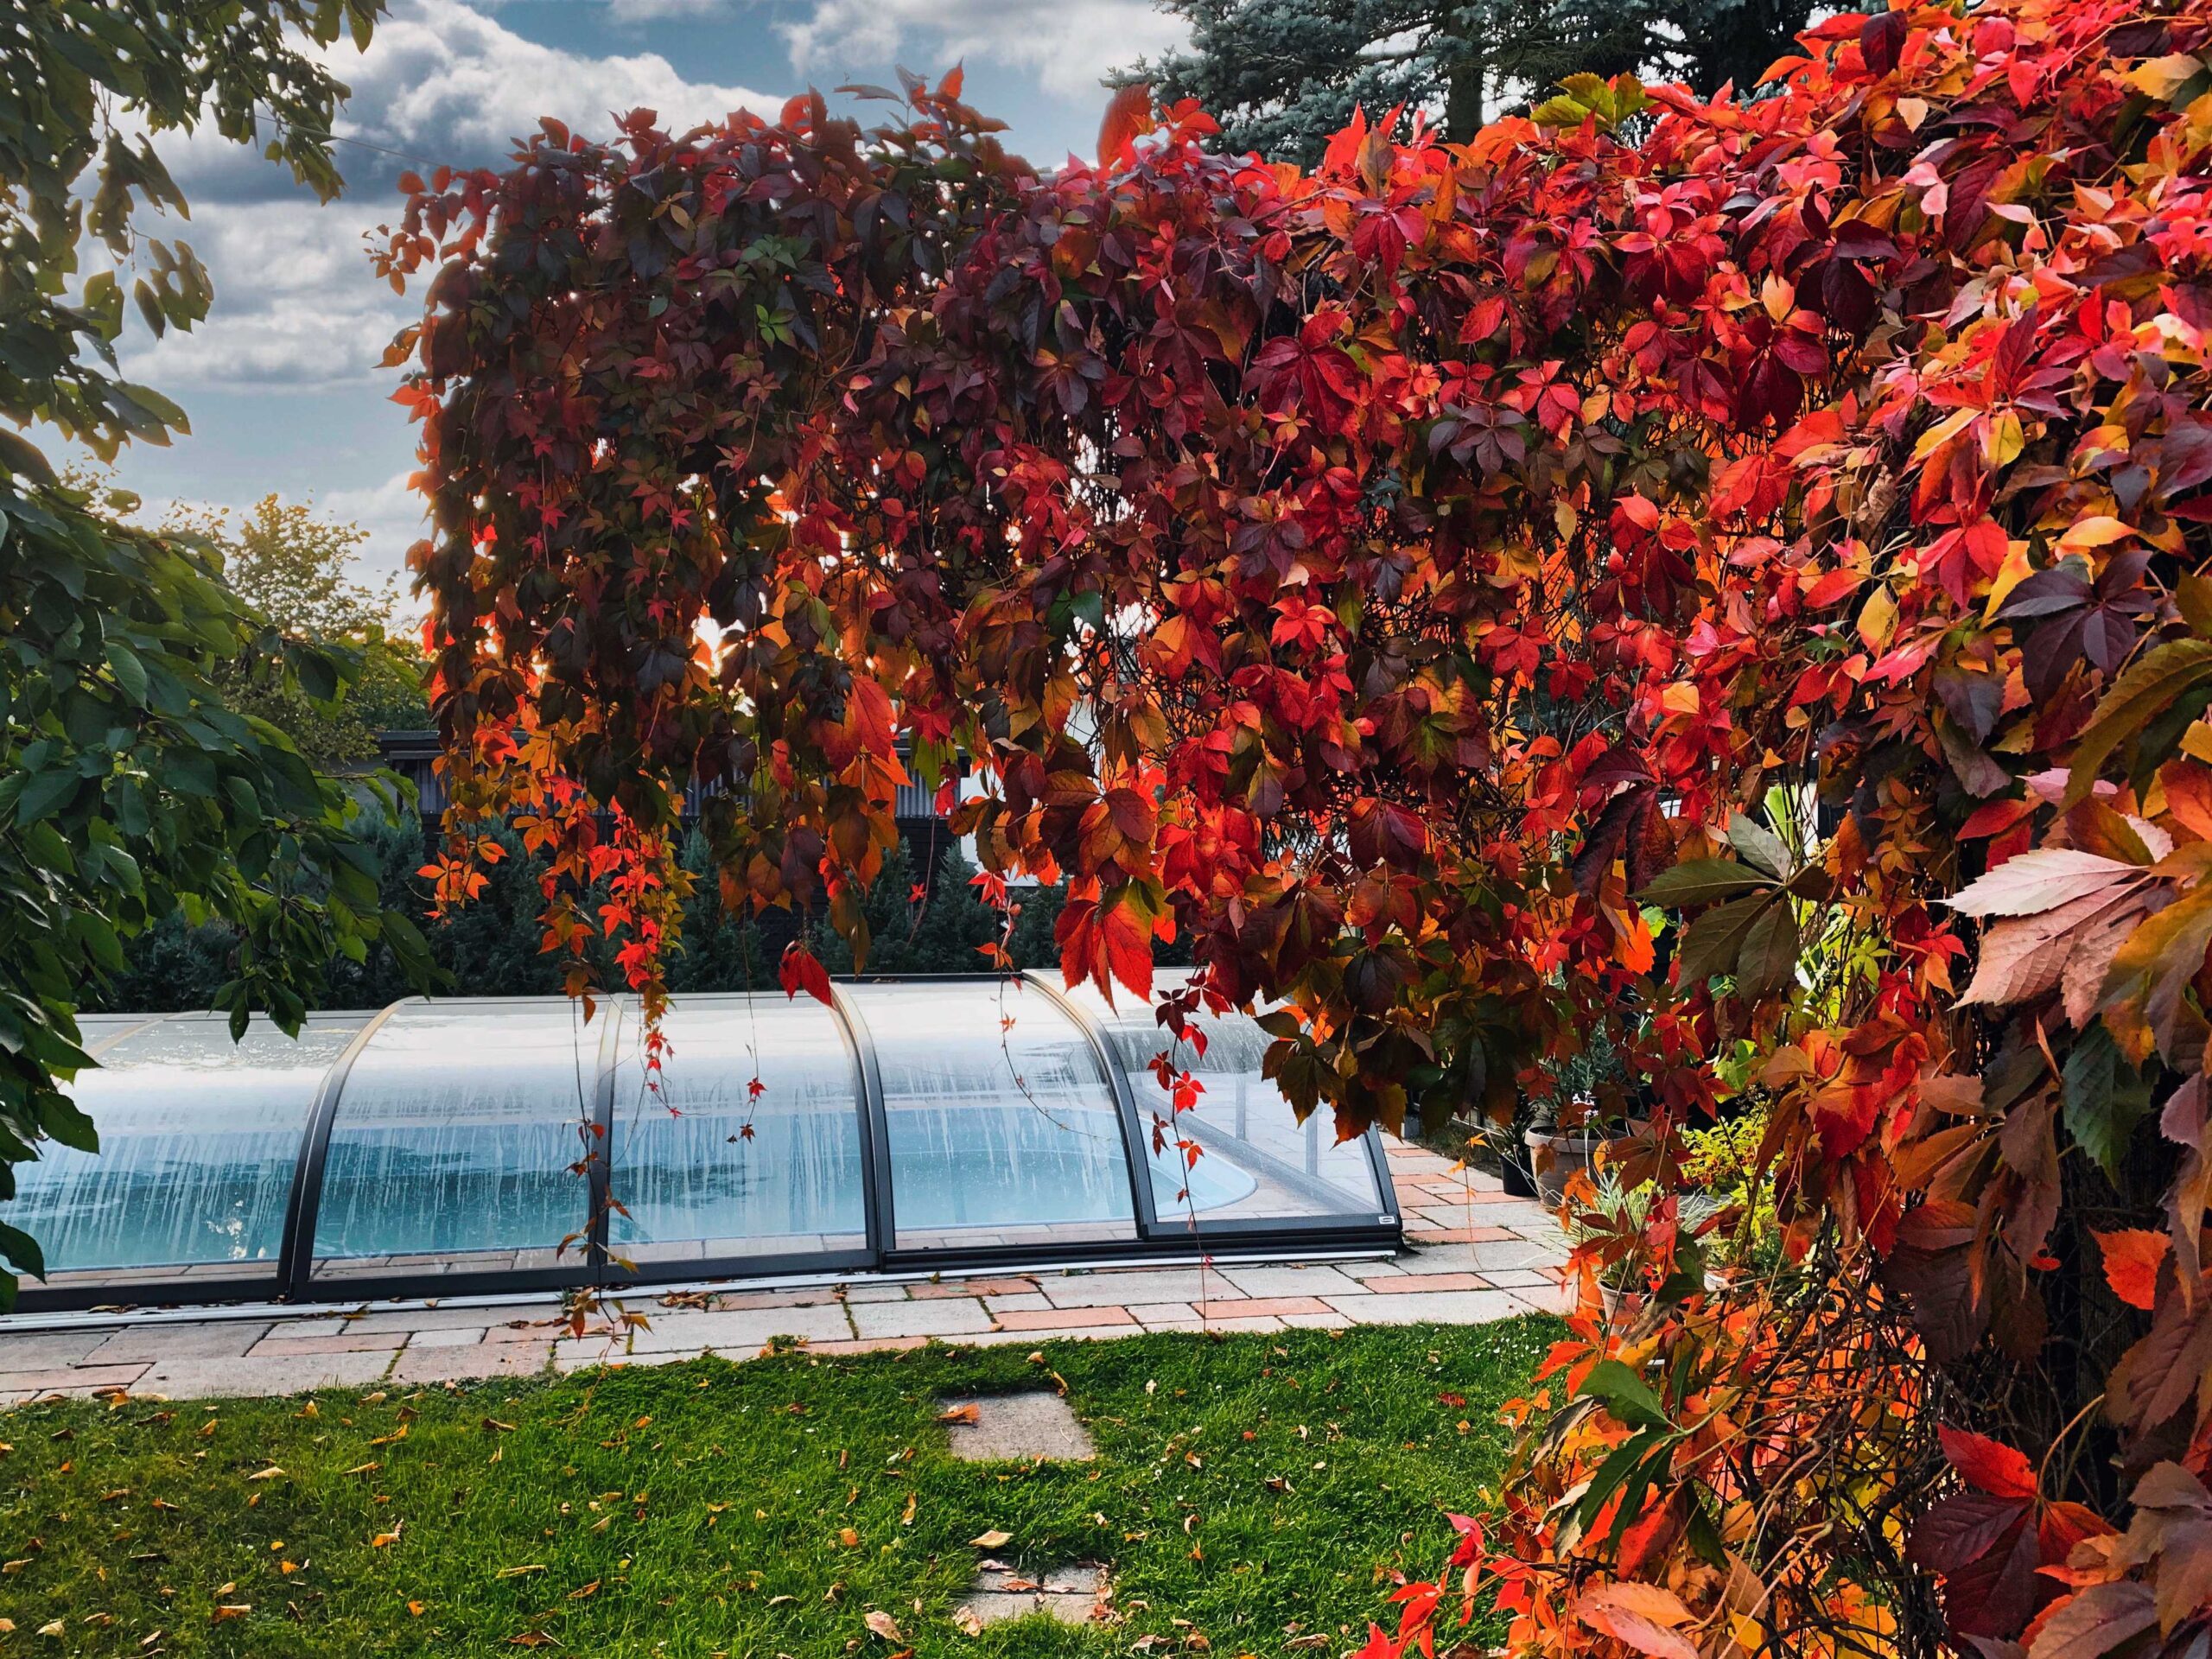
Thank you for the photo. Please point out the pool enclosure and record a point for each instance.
(463, 1146)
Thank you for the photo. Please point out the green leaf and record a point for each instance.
(1758, 845)
(1710, 943)
(1769, 960)
(318, 675)
(2106, 1098)
(1624, 1394)
(22, 1252)
(46, 793)
(2159, 679)
(1700, 880)
(130, 673)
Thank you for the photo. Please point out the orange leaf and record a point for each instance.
(1641, 1616)
(1128, 118)
(2131, 1259)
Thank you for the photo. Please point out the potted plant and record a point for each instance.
(1558, 1150)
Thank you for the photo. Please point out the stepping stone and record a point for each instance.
(1067, 1595)
(1016, 1428)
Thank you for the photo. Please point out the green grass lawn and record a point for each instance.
(1250, 1491)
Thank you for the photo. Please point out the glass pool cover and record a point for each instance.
(465, 1145)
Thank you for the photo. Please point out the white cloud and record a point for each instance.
(634, 12)
(397, 516)
(296, 305)
(1069, 44)
(447, 81)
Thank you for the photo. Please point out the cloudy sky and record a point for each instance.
(281, 384)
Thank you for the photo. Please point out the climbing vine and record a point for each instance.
(1721, 579)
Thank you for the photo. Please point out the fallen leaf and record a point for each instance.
(969, 1413)
(271, 1473)
(967, 1621)
(884, 1625)
(991, 1540)
(517, 1572)
(230, 1609)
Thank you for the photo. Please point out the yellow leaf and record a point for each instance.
(991, 1540)
(2015, 571)
(1680, 698)
(2005, 439)
(2096, 531)
(1879, 620)
(271, 1473)
(1914, 112)
(517, 1572)
(414, 1609)
(2161, 77)
(1950, 427)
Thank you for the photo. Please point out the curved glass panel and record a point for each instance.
(707, 1170)
(1257, 1162)
(998, 1135)
(457, 1142)
(198, 1140)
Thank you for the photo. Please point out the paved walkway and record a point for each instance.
(1476, 1256)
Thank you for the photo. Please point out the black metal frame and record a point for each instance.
(1156, 1237)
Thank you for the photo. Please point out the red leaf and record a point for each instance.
(2095, 1621)
(1998, 1470)
(2132, 1258)
(1127, 118)
(800, 971)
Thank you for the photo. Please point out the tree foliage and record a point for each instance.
(490, 947)
(1282, 76)
(130, 789)
(296, 569)
(1246, 531)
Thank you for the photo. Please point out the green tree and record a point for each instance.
(1281, 75)
(132, 792)
(295, 569)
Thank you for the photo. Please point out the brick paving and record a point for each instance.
(1476, 1256)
